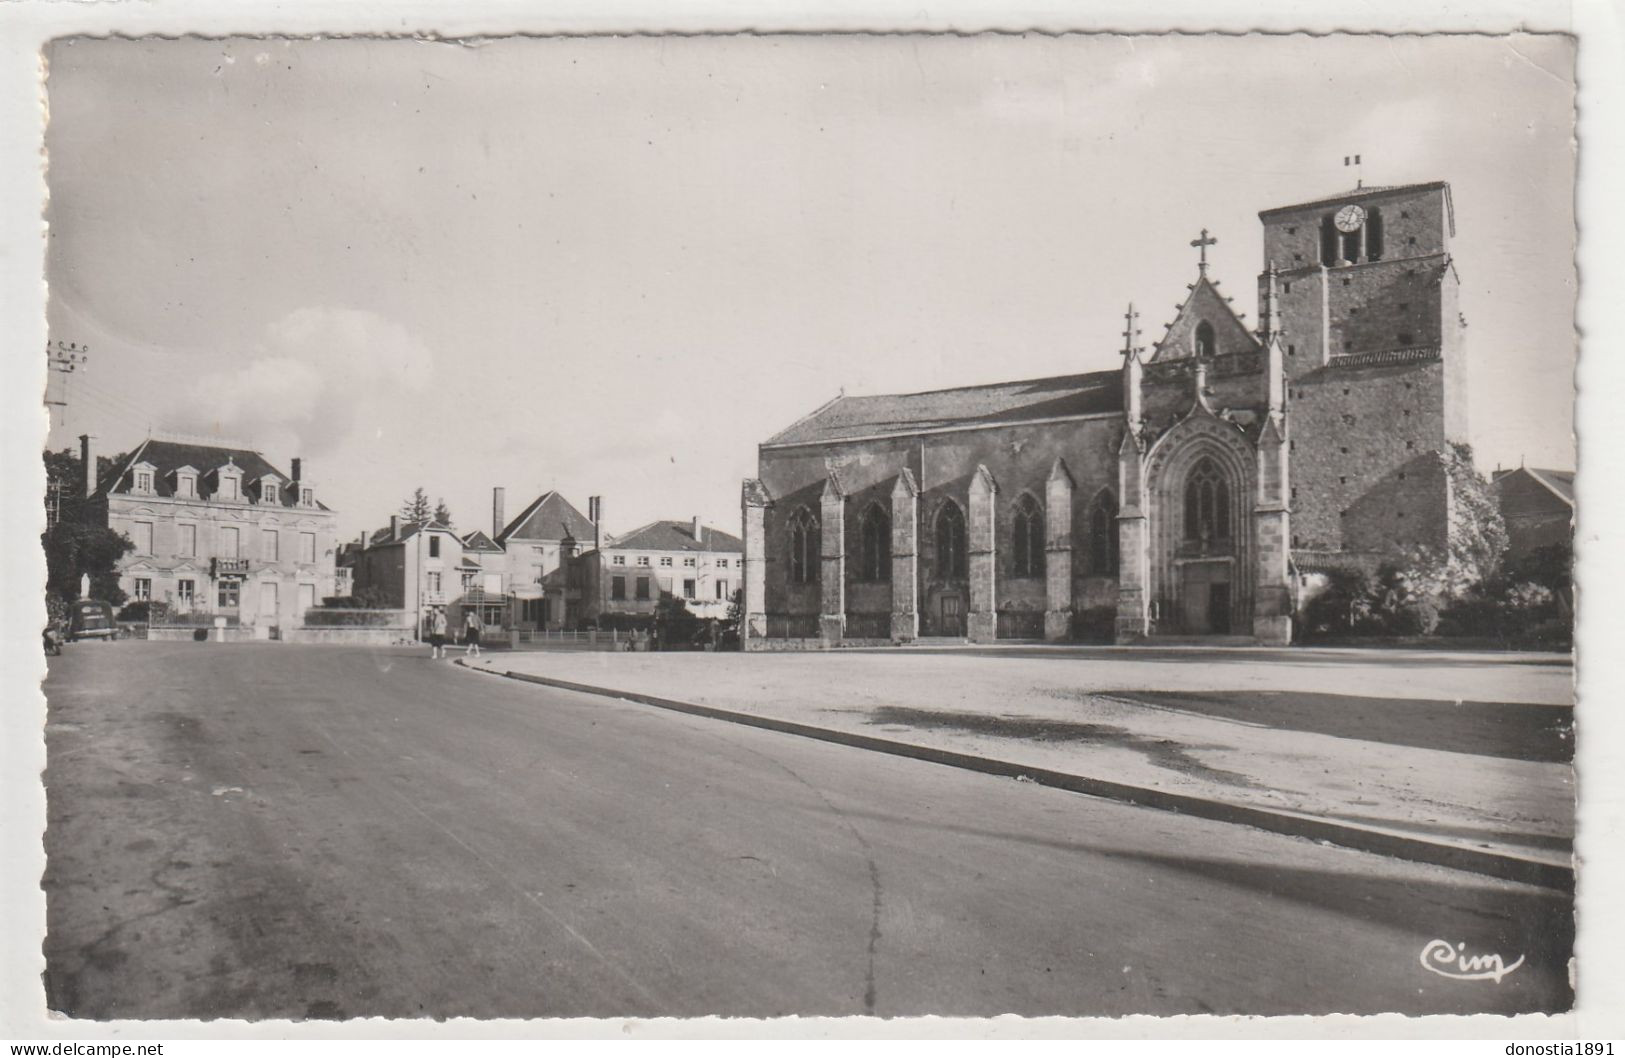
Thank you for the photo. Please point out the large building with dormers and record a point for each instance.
(218, 531)
(1196, 491)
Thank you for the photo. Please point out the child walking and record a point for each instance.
(471, 634)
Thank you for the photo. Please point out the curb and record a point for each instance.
(1505, 866)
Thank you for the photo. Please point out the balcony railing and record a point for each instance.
(1384, 357)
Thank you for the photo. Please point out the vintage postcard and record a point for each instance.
(824, 525)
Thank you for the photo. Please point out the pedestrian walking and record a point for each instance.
(471, 634)
(437, 632)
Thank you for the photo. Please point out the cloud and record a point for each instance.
(320, 376)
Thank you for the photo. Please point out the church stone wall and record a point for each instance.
(796, 481)
(1352, 433)
(1019, 458)
(1292, 237)
(1164, 403)
(1301, 296)
(1237, 383)
(1385, 305)
(1402, 509)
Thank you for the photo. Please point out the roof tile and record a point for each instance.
(676, 536)
(169, 456)
(988, 405)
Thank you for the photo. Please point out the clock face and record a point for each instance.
(1349, 218)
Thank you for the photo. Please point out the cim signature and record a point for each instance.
(1452, 960)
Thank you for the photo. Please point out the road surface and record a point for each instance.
(273, 831)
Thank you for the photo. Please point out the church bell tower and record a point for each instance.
(1366, 304)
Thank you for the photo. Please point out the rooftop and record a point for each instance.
(479, 540)
(549, 517)
(169, 456)
(380, 537)
(675, 536)
(995, 404)
(1360, 192)
(1560, 482)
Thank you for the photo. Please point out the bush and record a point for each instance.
(1343, 608)
(1510, 612)
(625, 622)
(144, 610)
(1412, 617)
(331, 618)
(370, 597)
(1557, 633)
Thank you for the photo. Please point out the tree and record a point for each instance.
(442, 513)
(1343, 607)
(74, 548)
(1551, 566)
(674, 622)
(64, 468)
(416, 509)
(79, 543)
(1478, 533)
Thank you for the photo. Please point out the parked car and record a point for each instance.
(91, 619)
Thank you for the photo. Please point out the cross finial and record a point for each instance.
(1202, 244)
(1130, 332)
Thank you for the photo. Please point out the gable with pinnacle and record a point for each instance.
(1204, 305)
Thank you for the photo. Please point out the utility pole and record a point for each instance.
(64, 358)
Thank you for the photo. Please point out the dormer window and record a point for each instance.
(230, 488)
(268, 491)
(307, 496)
(143, 477)
(186, 483)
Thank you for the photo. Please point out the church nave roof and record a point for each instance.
(998, 403)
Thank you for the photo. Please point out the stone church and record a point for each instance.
(1197, 491)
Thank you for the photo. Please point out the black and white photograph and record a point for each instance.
(822, 525)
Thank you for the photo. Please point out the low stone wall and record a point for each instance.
(764, 643)
(232, 634)
(349, 635)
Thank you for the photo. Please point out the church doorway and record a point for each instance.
(1205, 598)
(952, 616)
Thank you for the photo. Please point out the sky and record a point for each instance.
(613, 266)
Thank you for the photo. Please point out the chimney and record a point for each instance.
(297, 465)
(499, 497)
(87, 455)
(394, 527)
(595, 505)
(361, 541)
(697, 538)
